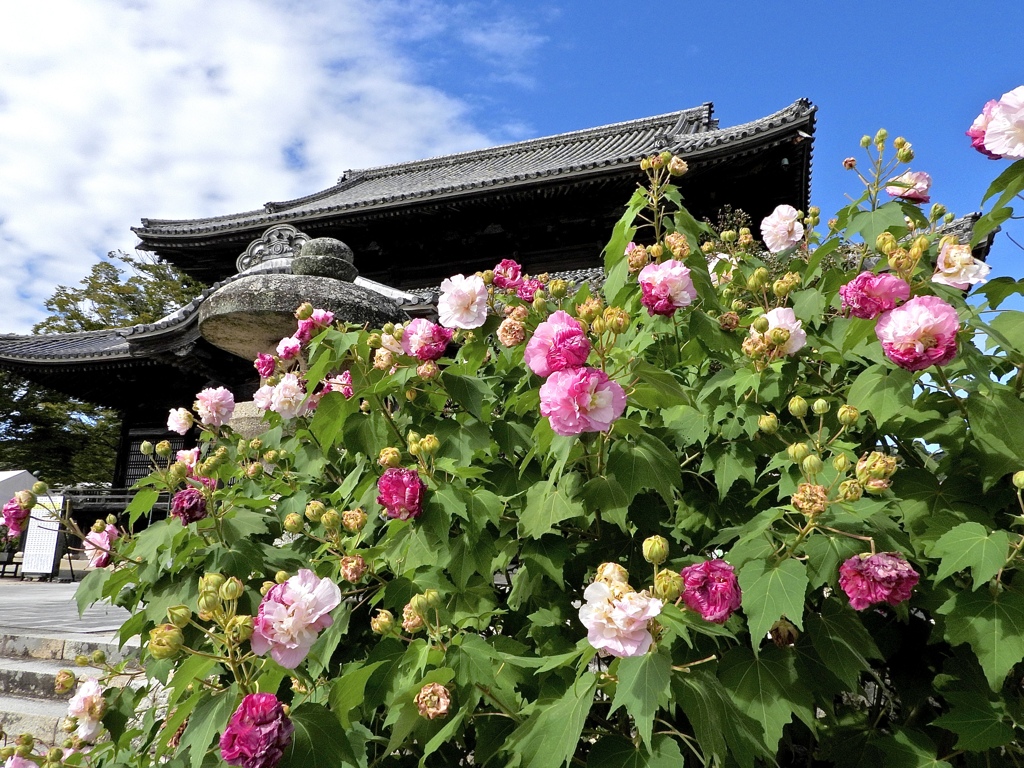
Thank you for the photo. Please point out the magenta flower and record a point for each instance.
(316, 322)
(340, 383)
(782, 228)
(711, 589)
(882, 578)
(215, 406)
(425, 340)
(527, 290)
(188, 505)
(912, 186)
(617, 619)
(508, 274)
(581, 400)
(289, 347)
(258, 733)
(291, 615)
(264, 365)
(401, 493)
(919, 334)
(97, 546)
(15, 516)
(869, 295)
(558, 343)
(463, 302)
(666, 287)
(977, 130)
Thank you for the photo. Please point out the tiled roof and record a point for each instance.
(64, 346)
(577, 154)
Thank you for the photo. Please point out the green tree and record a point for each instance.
(59, 438)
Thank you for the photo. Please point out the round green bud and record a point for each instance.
(768, 423)
(811, 465)
(55, 755)
(865, 141)
(81, 660)
(293, 523)
(383, 623)
(98, 657)
(430, 445)
(281, 577)
(146, 449)
(850, 490)
(797, 407)
(433, 598)
(163, 449)
(254, 471)
(304, 312)
(655, 549)
(728, 236)
(389, 457)
(760, 324)
(353, 520)
(1018, 480)
(98, 527)
(668, 585)
(848, 415)
(315, 511)
(211, 582)
(165, 641)
(420, 605)
(64, 681)
(179, 615)
(233, 588)
(820, 406)
(331, 520)
(798, 452)
(841, 462)
(240, 628)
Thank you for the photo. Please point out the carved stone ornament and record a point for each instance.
(280, 241)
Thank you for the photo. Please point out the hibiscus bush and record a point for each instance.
(740, 504)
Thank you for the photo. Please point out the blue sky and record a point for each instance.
(185, 108)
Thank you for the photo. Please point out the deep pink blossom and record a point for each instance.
(558, 343)
(312, 325)
(617, 619)
(14, 517)
(215, 406)
(869, 295)
(581, 400)
(258, 733)
(508, 274)
(978, 128)
(289, 347)
(97, 546)
(881, 578)
(782, 228)
(291, 615)
(425, 340)
(265, 365)
(340, 383)
(912, 186)
(711, 589)
(401, 493)
(527, 290)
(666, 287)
(188, 505)
(919, 334)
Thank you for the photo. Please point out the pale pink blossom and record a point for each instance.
(463, 302)
(291, 615)
(919, 334)
(957, 267)
(666, 287)
(97, 546)
(264, 365)
(785, 318)
(425, 340)
(782, 228)
(1004, 134)
(289, 347)
(180, 420)
(17, 761)
(189, 457)
(433, 701)
(912, 185)
(880, 578)
(391, 344)
(88, 706)
(511, 332)
(508, 274)
(711, 589)
(558, 343)
(978, 128)
(288, 397)
(617, 619)
(264, 397)
(869, 295)
(580, 400)
(215, 406)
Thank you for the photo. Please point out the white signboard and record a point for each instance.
(44, 538)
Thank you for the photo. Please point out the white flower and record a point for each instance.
(618, 625)
(957, 267)
(1004, 134)
(781, 229)
(89, 707)
(463, 302)
(288, 397)
(264, 397)
(180, 420)
(784, 317)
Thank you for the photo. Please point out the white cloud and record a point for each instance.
(111, 111)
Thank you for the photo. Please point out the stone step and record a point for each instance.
(40, 717)
(35, 678)
(66, 646)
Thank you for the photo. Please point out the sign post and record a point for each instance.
(44, 540)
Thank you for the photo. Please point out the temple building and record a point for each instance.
(548, 203)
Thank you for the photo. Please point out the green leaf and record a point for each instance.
(770, 592)
(91, 588)
(548, 739)
(317, 742)
(909, 749)
(870, 224)
(546, 506)
(208, 720)
(467, 390)
(657, 388)
(329, 418)
(885, 393)
(647, 463)
(998, 289)
(731, 462)
(993, 625)
(643, 687)
(1009, 183)
(979, 723)
(142, 502)
(717, 722)
(619, 752)
(997, 431)
(842, 642)
(969, 545)
(616, 268)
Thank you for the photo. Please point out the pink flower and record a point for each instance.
(188, 505)
(511, 332)
(17, 761)
(978, 128)
(957, 267)
(258, 733)
(785, 318)
(264, 397)
(289, 397)
(316, 322)
(264, 365)
(97, 546)
(882, 578)
(920, 333)
(463, 302)
(508, 274)
(527, 290)
(291, 615)
(782, 228)
(189, 458)
(424, 340)
(558, 343)
(711, 589)
(289, 347)
(433, 701)
(88, 706)
(581, 400)
(180, 420)
(617, 618)
(401, 493)
(912, 185)
(14, 517)
(215, 406)
(869, 295)
(340, 383)
(666, 287)
(1004, 134)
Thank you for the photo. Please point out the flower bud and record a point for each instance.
(778, 336)
(240, 628)
(352, 568)
(589, 309)
(668, 585)
(905, 154)
(707, 247)
(383, 359)
(98, 527)
(875, 466)
(165, 641)
(430, 445)
(655, 549)
(760, 324)
(797, 407)
(146, 449)
(558, 288)
(383, 623)
(841, 462)
(730, 321)
(331, 520)
(848, 415)
(728, 236)
(265, 587)
(768, 423)
(55, 755)
(293, 523)
(598, 326)
(233, 588)
(881, 136)
(540, 304)
(281, 577)
(850, 490)
(612, 573)
(865, 141)
(211, 582)
(784, 633)
(254, 471)
(781, 288)
(820, 406)
(209, 605)
(811, 465)
(810, 499)
(98, 657)
(798, 452)
(81, 660)
(420, 605)
(163, 449)
(1018, 480)
(677, 166)
(179, 615)
(64, 681)
(886, 243)
(428, 370)
(616, 319)
(314, 511)
(353, 520)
